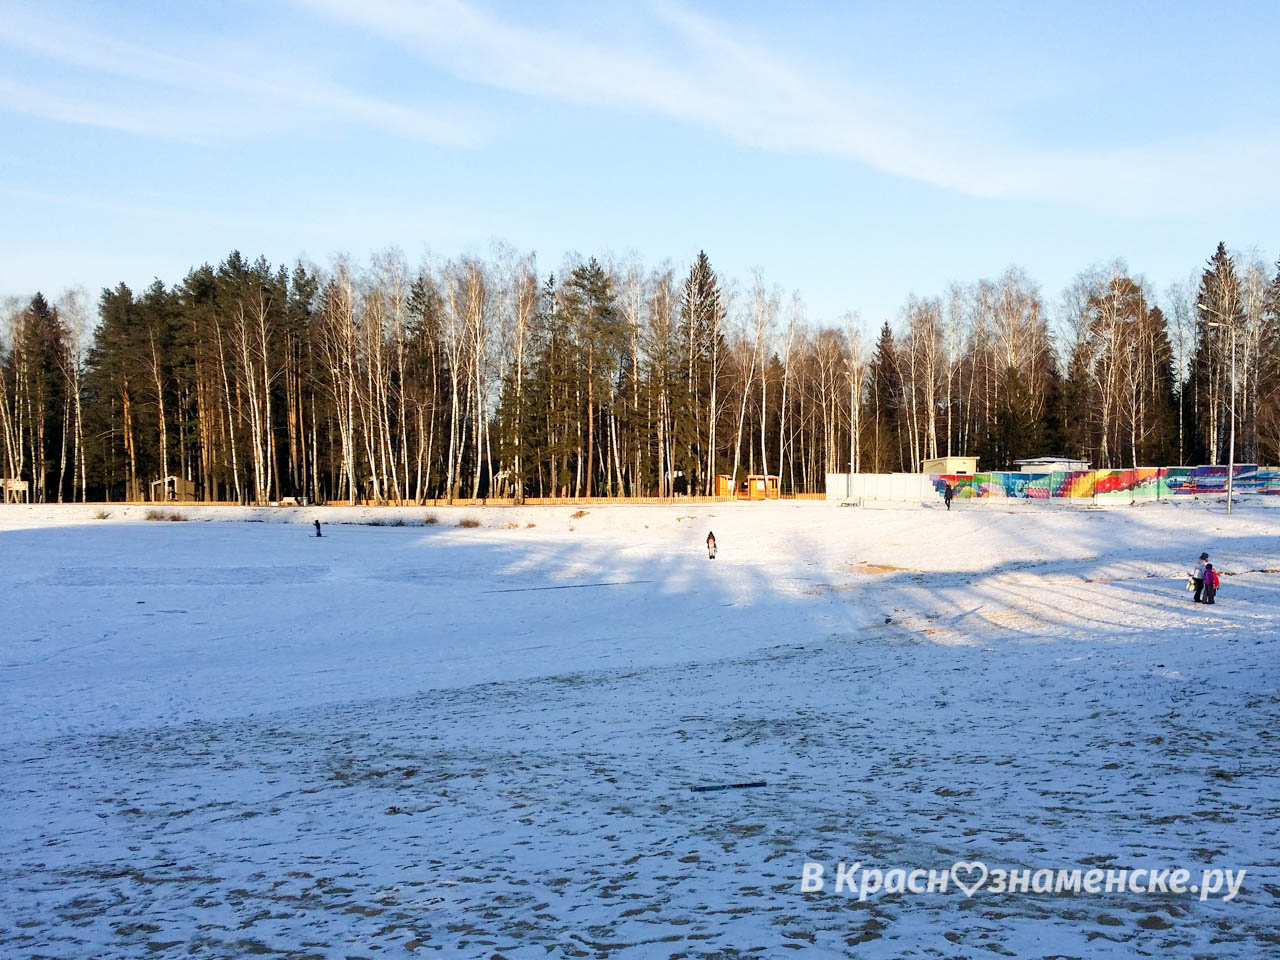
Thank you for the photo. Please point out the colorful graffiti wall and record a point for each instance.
(1119, 486)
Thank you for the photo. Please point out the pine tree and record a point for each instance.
(590, 306)
(886, 403)
(1218, 304)
(1269, 376)
(1078, 401)
(42, 347)
(702, 314)
(115, 379)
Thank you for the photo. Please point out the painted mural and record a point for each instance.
(1117, 486)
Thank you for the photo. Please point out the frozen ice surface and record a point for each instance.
(232, 738)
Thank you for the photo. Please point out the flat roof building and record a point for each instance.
(1051, 465)
(951, 466)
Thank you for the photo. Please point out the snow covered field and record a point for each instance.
(232, 738)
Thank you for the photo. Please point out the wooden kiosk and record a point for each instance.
(762, 486)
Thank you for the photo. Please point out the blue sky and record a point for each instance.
(856, 152)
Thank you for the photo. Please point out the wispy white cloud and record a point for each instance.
(710, 76)
(210, 94)
(664, 60)
(142, 119)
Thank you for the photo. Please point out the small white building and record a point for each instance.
(951, 466)
(1051, 465)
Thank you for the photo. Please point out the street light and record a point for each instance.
(1227, 322)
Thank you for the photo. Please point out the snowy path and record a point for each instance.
(402, 738)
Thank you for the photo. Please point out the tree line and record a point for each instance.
(482, 378)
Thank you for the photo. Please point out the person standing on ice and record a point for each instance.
(711, 546)
(1210, 583)
(1197, 577)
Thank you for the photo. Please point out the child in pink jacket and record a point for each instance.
(1210, 582)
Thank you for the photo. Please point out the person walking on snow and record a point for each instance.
(948, 494)
(1210, 583)
(1197, 577)
(711, 546)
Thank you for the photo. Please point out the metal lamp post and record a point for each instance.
(1223, 321)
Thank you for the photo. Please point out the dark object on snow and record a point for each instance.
(948, 495)
(729, 786)
(711, 545)
(318, 528)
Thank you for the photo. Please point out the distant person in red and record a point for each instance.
(1210, 583)
(711, 546)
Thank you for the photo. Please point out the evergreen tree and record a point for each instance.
(1218, 305)
(886, 404)
(702, 313)
(1078, 402)
(1269, 376)
(552, 382)
(590, 308)
(114, 379)
(42, 346)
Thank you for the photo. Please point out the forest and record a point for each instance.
(482, 377)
